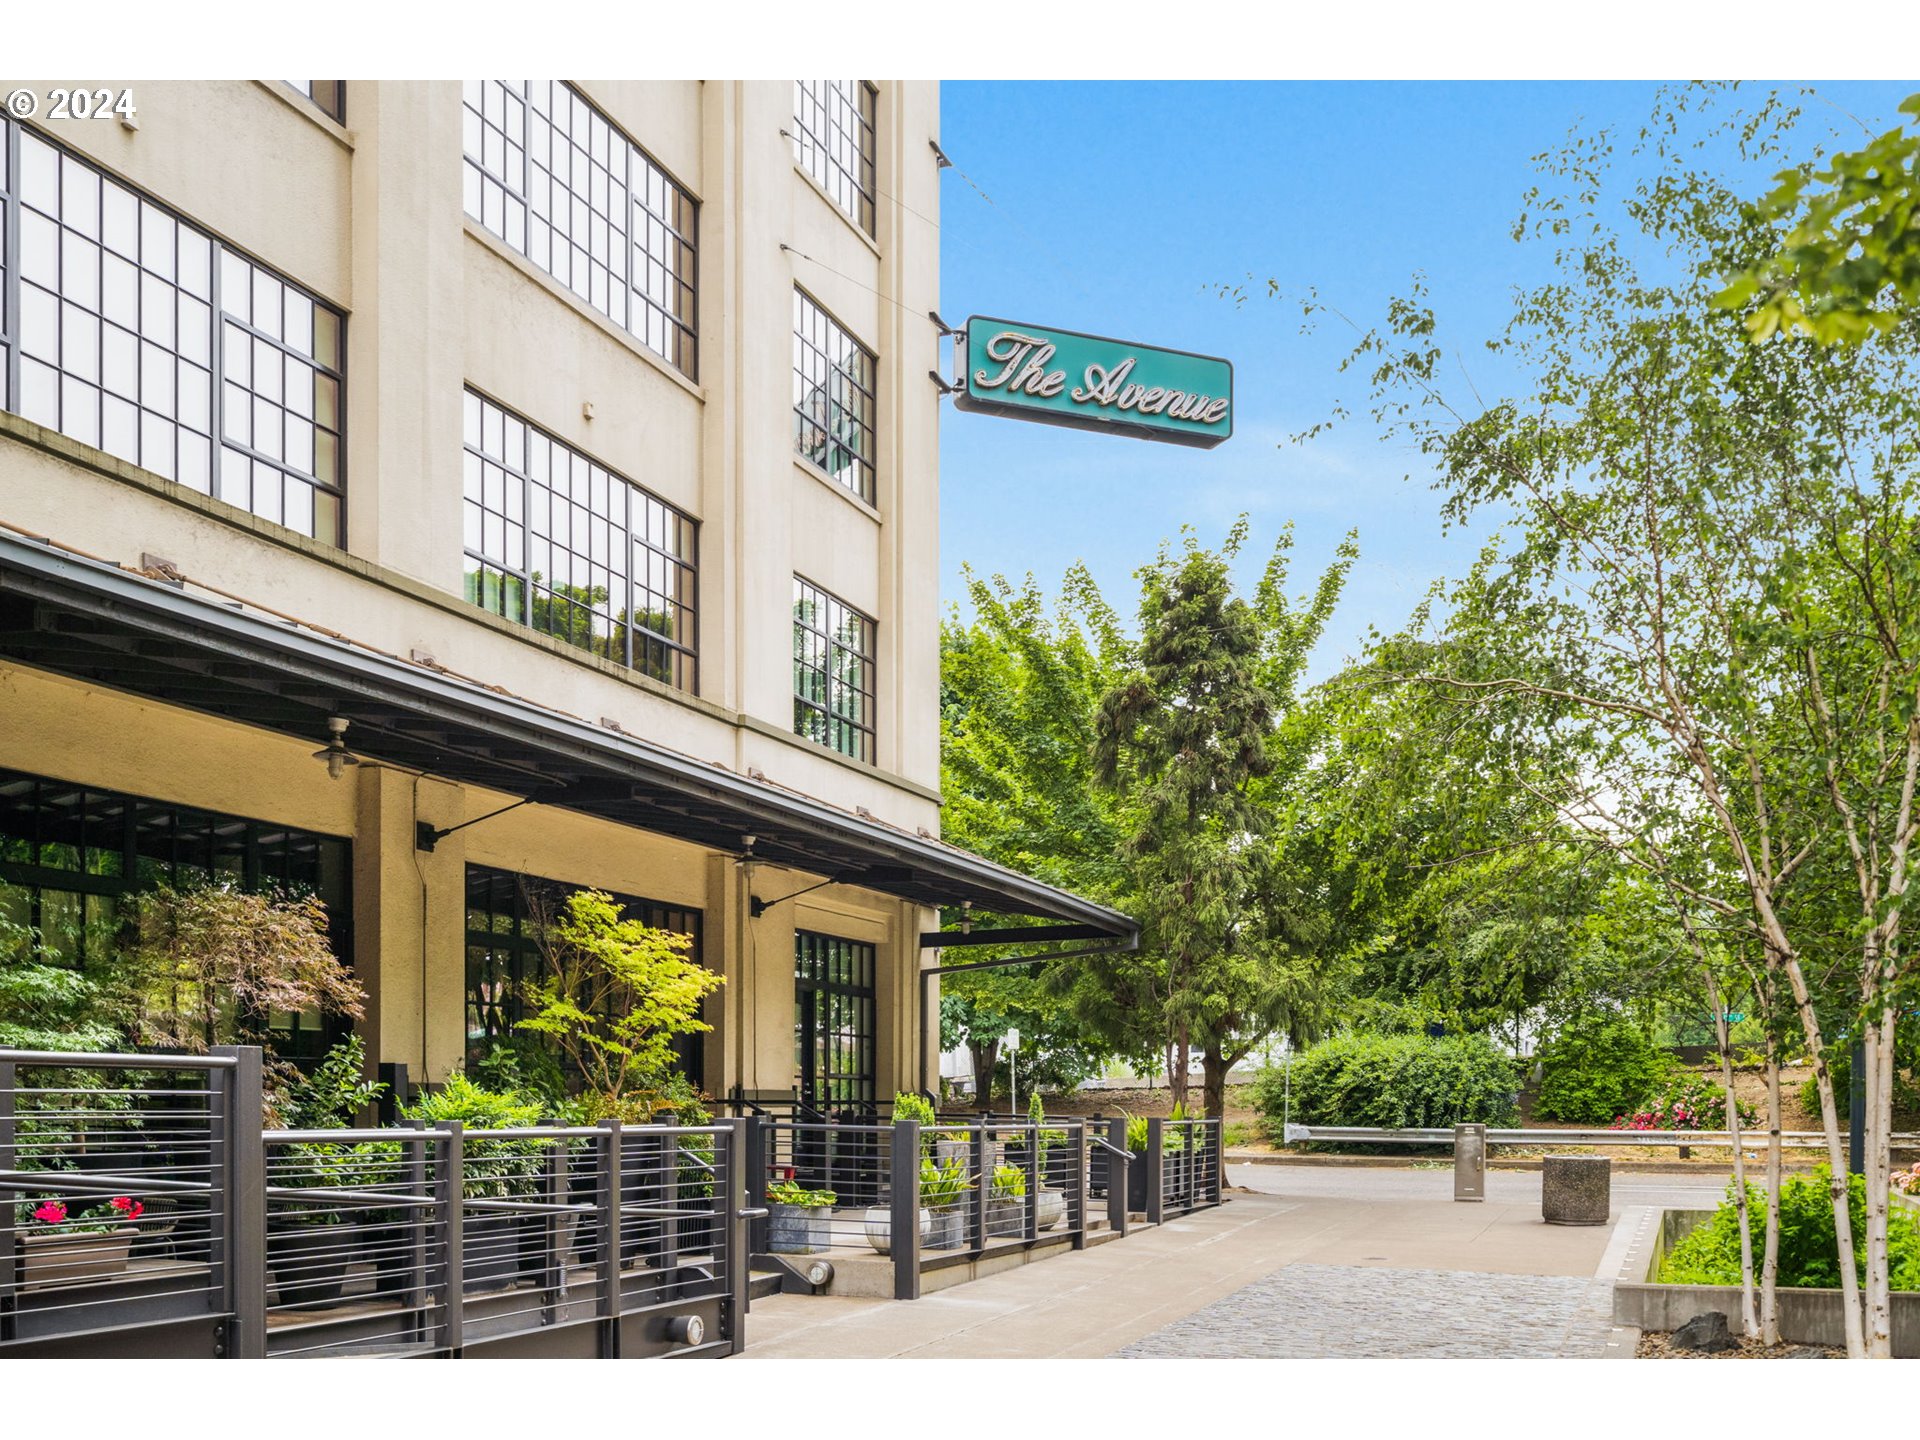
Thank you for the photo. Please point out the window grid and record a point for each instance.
(559, 183)
(833, 141)
(131, 330)
(833, 1030)
(503, 952)
(71, 855)
(557, 541)
(833, 667)
(833, 402)
(329, 95)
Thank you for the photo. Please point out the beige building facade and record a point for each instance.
(568, 443)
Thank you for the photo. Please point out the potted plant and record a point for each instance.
(60, 1246)
(943, 1190)
(311, 1244)
(1006, 1202)
(799, 1221)
(1050, 1205)
(492, 1240)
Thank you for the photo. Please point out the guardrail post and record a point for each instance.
(737, 1229)
(1156, 1170)
(1077, 1183)
(419, 1285)
(450, 1198)
(1120, 1164)
(609, 1202)
(9, 1078)
(553, 1279)
(244, 1171)
(1218, 1129)
(758, 1139)
(903, 1228)
(1030, 1220)
(983, 1183)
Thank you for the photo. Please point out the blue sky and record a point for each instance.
(1115, 208)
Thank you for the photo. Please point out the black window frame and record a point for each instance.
(115, 841)
(615, 558)
(833, 120)
(840, 977)
(829, 670)
(503, 130)
(836, 409)
(243, 440)
(513, 946)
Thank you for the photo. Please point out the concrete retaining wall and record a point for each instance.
(1807, 1317)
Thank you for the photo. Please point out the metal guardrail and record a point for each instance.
(144, 1212)
(924, 1197)
(1706, 1139)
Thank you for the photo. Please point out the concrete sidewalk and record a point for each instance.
(1333, 1225)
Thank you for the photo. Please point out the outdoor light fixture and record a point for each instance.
(687, 1329)
(336, 754)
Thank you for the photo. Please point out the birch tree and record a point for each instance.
(1711, 581)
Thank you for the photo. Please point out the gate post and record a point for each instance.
(1156, 1170)
(737, 1233)
(1120, 1163)
(903, 1228)
(243, 1170)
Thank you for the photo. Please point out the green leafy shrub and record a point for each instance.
(1395, 1082)
(1906, 1087)
(1599, 1069)
(788, 1192)
(943, 1184)
(1710, 1254)
(913, 1107)
(495, 1169)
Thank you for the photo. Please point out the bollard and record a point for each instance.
(1469, 1162)
(1576, 1189)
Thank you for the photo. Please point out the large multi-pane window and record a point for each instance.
(329, 95)
(833, 1024)
(832, 672)
(833, 407)
(556, 180)
(506, 913)
(833, 141)
(131, 330)
(559, 542)
(71, 855)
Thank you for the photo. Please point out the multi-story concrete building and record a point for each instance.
(568, 443)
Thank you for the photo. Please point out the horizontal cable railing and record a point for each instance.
(924, 1197)
(149, 1196)
(114, 1196)
(1705, 1139)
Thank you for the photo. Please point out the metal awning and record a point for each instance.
(97, 622)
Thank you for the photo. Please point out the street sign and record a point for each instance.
(1089, 382)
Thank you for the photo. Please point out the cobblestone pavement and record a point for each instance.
(1367, 1311)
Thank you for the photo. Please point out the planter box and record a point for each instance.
(1006, 1219)
(879, 1222)
(947, 1229)
(309, 1262)
(1050, 1208)
(50, 1258)
(495, 1249)
(1807, 1317)
(799, 1229)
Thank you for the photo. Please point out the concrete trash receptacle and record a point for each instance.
(1576, 1189)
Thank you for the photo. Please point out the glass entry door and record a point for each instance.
(833, 1021)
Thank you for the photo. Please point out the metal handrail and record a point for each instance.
(1374, 1135)
(88, 1060)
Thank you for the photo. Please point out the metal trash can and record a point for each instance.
(1576, 1189)
(1470, 1162)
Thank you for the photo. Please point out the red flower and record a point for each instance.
(50, 1212)
(130, 1208)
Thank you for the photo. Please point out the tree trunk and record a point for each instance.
(1749, 1321)
(1770, 1263)
(986, 1059)
(1836, 1156)
(1213, 1095)
(1177, 1071)
(1877, 1056)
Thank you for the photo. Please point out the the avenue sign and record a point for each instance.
(1061, 377)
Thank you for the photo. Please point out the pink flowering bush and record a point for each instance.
(1691, 1103)
(1907, 1182)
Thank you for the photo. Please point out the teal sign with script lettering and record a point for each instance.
(1061, 377)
